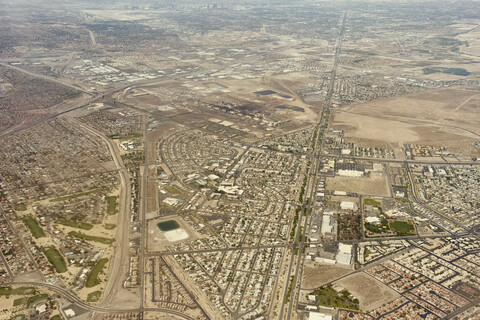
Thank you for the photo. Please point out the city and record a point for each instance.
(254, 160)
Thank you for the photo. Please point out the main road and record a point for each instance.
(119, 266)
(79, 303)
(310, 186)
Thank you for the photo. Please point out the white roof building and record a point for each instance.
(326, 224)
(41, 308)
(348, 205)
(344, 258)
(350, 173)
(325, 260)
(345, 248)
(319, 316)
(372, 220)
(69, 313)
(344, 255)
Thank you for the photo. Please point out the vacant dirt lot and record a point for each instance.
(314, 277)
(367, 130)
(447, 117)
(368, 186)
(371, 293)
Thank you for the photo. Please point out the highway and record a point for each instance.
(94, 97)
(75, 300)
(48, 116)
(44, 77)
(120, 263)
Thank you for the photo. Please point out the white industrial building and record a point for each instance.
(350, 173)
(327, 226)
(348, 205)
(325, 261)
(344, 255)
(319, 316)
(373, 220)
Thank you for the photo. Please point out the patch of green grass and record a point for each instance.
(338, 302)
(35, 229)
(160, 170)
(75, 224)
(402, 227)
(55, 258)
(300, 234)
(172, 190)
(94, 296)
(18, 302)
(18, 317)
(373, 228)
(77, 195)
(110, 226)
(371, 202)
(289, 290)
(302, 190)
(131, 136)
(35, 299)
(366, 253)
(20, 207)
(7, 291)
(295, 221)
(56, 317)
(329, 297)
(112, 205)
(324, 291)
(92, 278)
(90, 238)
(382, 228)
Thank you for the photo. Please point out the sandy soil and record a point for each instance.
(368, 129)
(29, 277)
(314, 277)
(367, 186)
(473, 42)
(370, 292)
(447, 117)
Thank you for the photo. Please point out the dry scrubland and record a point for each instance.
(314, 277)
(449, 116)
(371, 293)
(377, 185)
